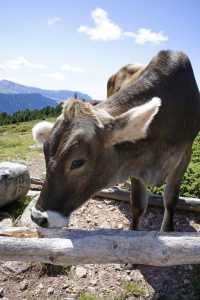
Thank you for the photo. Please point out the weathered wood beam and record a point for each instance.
(72, 247)
(38, 181)
(117, 193)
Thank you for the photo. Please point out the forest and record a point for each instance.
(29, 115)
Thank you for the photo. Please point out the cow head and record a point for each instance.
(81, 157)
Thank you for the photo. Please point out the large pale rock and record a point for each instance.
(13, 267)
(7, 222)
(25, 219)
(14, 182)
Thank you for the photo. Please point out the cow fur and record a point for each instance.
(144, 132)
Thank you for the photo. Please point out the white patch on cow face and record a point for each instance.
(54, 219)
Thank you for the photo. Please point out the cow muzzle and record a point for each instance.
(49, 219)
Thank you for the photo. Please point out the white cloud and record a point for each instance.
(70, 68)
(2, 68)
(51, 22)
(14, 80)
(106, 30)
(54, 75)
(20, 61)
(145, 35)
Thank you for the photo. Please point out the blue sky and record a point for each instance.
(77, 45)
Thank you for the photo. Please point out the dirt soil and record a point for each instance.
(111, 280)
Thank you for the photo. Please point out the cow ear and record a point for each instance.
(133, 124)
(40, 131)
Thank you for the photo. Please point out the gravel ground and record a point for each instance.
(37, 281)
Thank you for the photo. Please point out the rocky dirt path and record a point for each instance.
(34, 281)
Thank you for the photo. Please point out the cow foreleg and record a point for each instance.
(139, 202)
(171, 192)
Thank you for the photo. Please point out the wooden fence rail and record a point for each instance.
(72, 247)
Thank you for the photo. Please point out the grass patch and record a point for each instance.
(137, 288)
(196, 280)
(85, 296)
(16, 208)
(52, 270)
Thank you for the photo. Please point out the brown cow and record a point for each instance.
(143, 132)
(126, 75)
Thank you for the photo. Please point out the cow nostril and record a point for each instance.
(40, 221)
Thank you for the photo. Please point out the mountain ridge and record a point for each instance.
(14, 102)
(10, 87)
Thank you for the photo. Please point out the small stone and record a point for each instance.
(1, 292)
(150, 216)
(120, 226)
(96, 223)
(112, 208)
(23, 285)
(105, 225)
(186, 281)
(88, 220)
(50, 290)
(73, 296)
(190, 267)
(33, 147)
(157, 296)
(146, 222)
(91, 289)
(177, 223)
(127, 277)
(99, 206)
(118, 268)
(109, 201)
(41, 286)
(93, 282)
(81, 272)
(65, 285)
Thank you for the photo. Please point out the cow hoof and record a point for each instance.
(128, 266)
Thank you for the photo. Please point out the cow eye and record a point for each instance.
(77, 163)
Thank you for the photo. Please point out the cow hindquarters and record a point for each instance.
(171, 192)
(139, 202)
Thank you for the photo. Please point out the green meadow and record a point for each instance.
(15, 140)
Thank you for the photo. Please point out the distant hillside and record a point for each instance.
(9, 87)
(12, 103)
